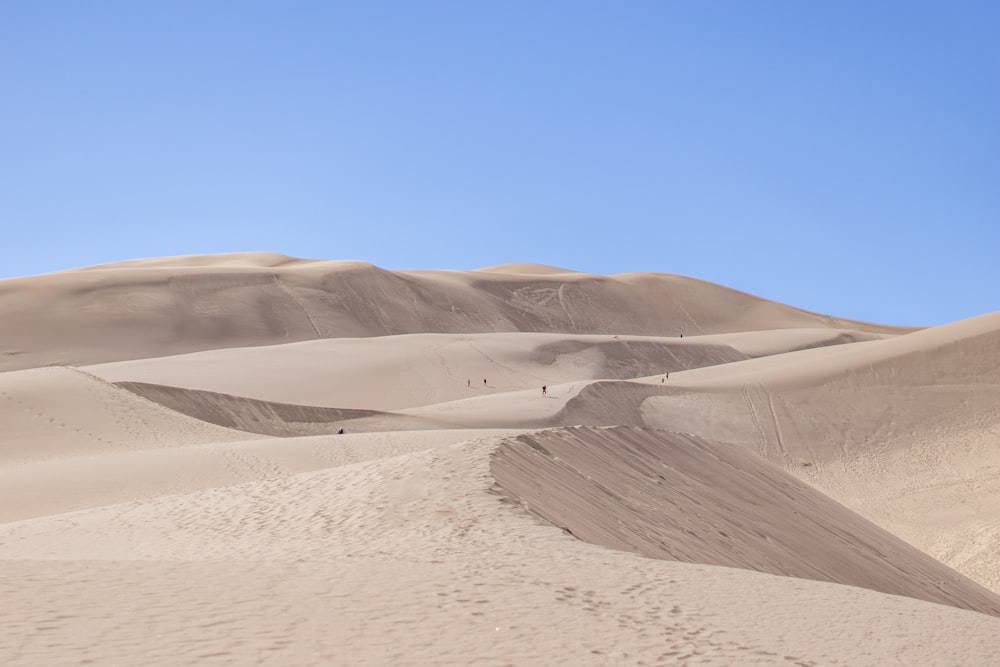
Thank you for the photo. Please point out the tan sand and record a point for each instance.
(781, 498)
(417, 369)
(166, 306)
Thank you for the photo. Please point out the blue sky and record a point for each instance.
(838, 156)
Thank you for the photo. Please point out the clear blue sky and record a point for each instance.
(841, 156)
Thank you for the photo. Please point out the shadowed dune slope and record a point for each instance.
(149, 308)
(680, 497)
(415, 560)
(165, 523)
(254, 416)
(905, 431)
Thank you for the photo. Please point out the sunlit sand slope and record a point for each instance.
(178, 494)
(83, 481)
(416, 560)
(49, 413)
(157, 307)
(680, 497)
(905, 431)
(390, 372)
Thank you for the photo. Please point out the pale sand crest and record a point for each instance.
(183, 498)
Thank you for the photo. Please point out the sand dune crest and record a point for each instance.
(680, 497)
(207, 515)
(151, 308)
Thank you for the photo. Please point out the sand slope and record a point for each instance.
(157, 307)
(70, 483)
(181, 499)
(391, 372)
(50, 413)
(684, 498)
(414, 559)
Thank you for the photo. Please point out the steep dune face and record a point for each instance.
(410, 531)
(411, 559)
(680, 497)
(247, 414)
(904, 431)
(149, 308)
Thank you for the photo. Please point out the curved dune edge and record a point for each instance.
(283, 420)
(397, 372)
(526, 268)
(161, 307)
(413, 560)
(247, 259)
(54, 413)
(680, 497)
(247, 414)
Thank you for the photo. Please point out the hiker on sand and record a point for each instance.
(468, 383)
(544, 389)
(484, 382)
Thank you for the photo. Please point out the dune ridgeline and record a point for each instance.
(254, 459)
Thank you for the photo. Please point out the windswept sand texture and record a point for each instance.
(801, 489)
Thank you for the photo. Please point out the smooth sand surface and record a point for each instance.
(418, 369)
(802, 489)
(175, 305)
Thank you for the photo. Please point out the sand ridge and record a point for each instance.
(151, 308)
(419, 557)
(177, 493)
(410, 370)
(680, 497)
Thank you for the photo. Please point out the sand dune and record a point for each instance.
(683, 498)
(248, 414)
(52, 413)
(175, 495)
(392, 372)
(159, 307)
(71, 483)
(895, 429)
(415, 559)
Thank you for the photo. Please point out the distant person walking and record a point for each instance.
(544, 390)
(484, 382)
(665, 376)
(468, 383)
